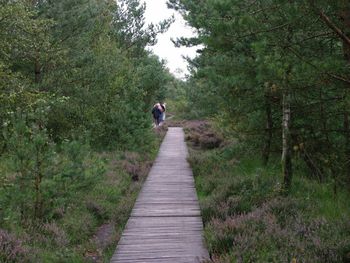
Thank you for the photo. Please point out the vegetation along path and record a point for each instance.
(165, 224)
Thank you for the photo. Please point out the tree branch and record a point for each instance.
(333, 76)
(336, 29)
(329, 23)
(264, 31)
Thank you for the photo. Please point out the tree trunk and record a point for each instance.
(37, 186)
(22, 185)
(268, 129)
(37, 71)
(345, 17)
(324, 120)
(286, 141)
(347, 144)
(314, 169)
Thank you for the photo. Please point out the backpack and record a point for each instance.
(156, 112)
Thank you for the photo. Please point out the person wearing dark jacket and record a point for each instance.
(157, 114)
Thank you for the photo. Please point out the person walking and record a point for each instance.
(157, 114)
(163, 110)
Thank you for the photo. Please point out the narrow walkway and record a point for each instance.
(165, 224)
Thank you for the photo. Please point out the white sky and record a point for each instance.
(156, 10)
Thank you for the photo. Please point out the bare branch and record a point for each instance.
(330, 23)
(336, 29)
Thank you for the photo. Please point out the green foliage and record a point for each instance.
(78, 52)
(254, 56)
(75, 77)
(78, 186)
(129, 25)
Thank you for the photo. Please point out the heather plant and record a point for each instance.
(277, 232)
(12, 249)
(247, 218)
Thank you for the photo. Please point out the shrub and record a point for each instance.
(277, 232)
(12, 249)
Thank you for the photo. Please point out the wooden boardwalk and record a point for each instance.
(165, 223)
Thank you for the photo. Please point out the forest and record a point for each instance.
(265, 108)
(76, 86)
(272, 166)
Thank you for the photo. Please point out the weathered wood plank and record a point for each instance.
(165, 224)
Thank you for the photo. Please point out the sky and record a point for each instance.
(156, 10)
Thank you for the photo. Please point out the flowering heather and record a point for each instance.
(266, 235)
(247, 218)
(56, 234)
(11, 248)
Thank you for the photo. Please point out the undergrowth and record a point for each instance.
(87, 197)
(248, 219)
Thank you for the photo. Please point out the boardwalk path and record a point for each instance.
(165, 224)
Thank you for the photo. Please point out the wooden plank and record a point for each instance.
(165, 224)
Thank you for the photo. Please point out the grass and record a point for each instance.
(247, 219)
(327, 205)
